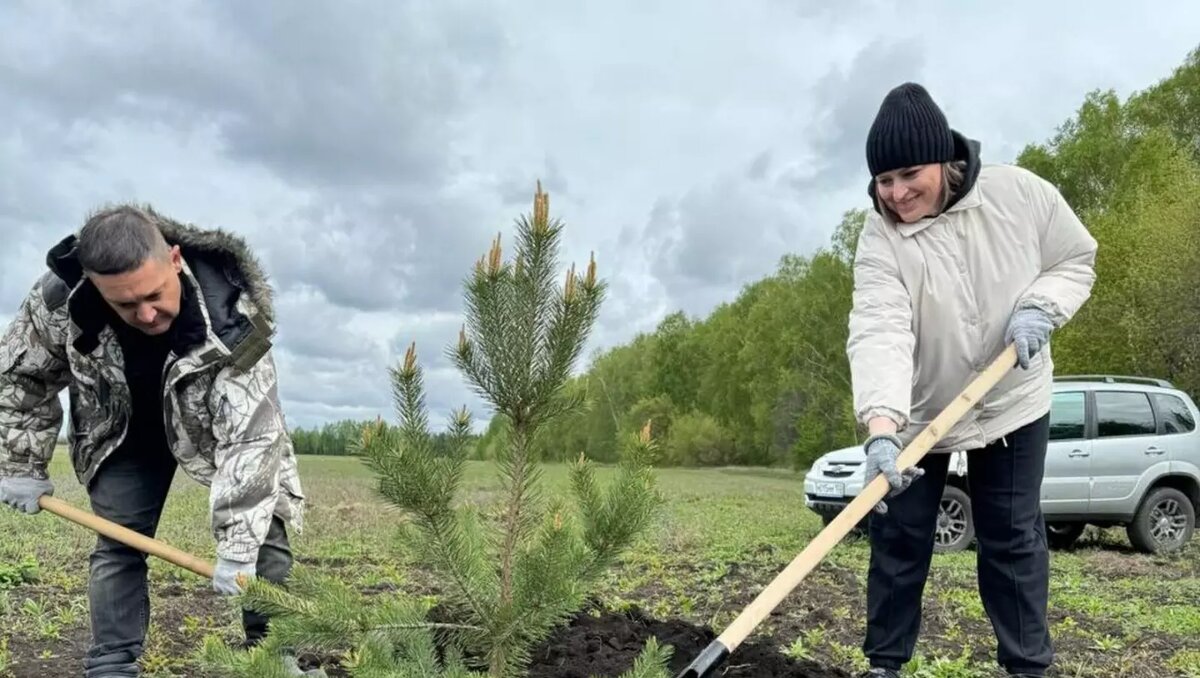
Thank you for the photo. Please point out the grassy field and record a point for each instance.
(724, 534)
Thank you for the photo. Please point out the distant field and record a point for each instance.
(724, 535)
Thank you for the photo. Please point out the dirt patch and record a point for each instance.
(833, 599)
(607, 646)
(64, 659)
(1111, 564)
(173, 605)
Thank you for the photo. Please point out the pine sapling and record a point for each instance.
(510, 577)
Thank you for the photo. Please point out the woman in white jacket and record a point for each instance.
(958, 260)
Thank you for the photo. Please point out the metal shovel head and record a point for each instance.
(705, 662)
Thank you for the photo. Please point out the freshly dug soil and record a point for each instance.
(606, 646)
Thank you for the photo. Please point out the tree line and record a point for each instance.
(338, 438)
(764, 378)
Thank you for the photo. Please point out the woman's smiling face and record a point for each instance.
(912, 193)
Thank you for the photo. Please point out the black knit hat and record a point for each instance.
(909, 129)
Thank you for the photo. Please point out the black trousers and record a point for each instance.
(130, 490)
(1013, 564)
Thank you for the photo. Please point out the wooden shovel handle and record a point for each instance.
(857, 509)
(126, 536)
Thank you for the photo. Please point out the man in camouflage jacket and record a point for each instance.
(161, 334)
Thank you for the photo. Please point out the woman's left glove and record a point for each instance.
(1029, 328)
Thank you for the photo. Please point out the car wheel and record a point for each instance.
(1063, 535)
(1164, 522)
(955, 528)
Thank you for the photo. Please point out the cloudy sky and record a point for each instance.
(369, 150)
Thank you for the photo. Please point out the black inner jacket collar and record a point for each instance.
(92, 314)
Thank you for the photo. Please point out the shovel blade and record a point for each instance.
(706, 662)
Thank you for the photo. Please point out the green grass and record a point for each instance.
(724, 534)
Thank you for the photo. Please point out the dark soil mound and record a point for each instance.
(607, 646)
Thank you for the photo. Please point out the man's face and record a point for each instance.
(147, 297)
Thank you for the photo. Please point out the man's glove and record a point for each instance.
(882, 451)
(22, 493)
(1029, 328)
(225, 576)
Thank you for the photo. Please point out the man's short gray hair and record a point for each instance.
(119, 240)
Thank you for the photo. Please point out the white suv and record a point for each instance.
(1123, 451)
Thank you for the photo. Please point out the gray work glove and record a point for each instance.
(1029, 328)
(882, 451)
(22, 493)
(225, 576)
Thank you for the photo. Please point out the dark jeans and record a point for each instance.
(1004, 482)
(130, 490)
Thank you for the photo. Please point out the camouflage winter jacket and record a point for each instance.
(220, 403)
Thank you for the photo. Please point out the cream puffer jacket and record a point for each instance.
(932, 300)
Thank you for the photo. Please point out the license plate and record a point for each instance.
(828, 489)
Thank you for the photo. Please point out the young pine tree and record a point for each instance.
(511, 576)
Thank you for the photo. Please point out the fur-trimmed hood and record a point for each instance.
(237, 261)
(236, 294)
(227, 251)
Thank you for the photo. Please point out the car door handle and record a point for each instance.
(1155, 451)
(1078, 453)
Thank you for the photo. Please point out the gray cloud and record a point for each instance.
(516, 190)
(852, 97)
(344, 103)
(400, 251)
(318, 94)
(312, 328)
(721, 236)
